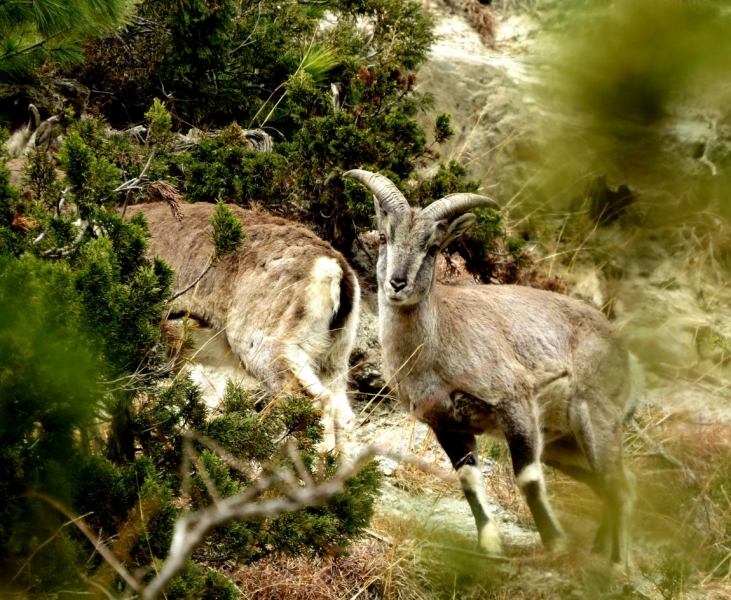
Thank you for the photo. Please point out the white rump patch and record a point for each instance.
(323, 297)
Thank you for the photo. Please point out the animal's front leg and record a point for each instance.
(462, 451)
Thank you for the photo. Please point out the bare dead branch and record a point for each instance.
(66, 250)
(195, 282)
(192, 528)
(136, 182)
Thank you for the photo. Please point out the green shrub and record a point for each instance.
(228, 233)
(49, 395)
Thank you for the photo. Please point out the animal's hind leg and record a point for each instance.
(333, 373)
(301, 366)
(462, 451)
(599, 436)
(524, 439)
(565, 455)
(614, 486)
(620, 494)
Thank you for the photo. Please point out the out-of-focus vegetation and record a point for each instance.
(637, 93)
(52, 32)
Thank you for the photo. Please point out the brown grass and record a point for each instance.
(680, 547)
(373, 569)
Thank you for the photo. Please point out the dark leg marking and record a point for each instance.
(462, 451)
(524, 440)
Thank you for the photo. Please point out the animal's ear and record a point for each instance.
(457, 227)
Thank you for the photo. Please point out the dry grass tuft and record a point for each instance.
(373, 569)
(164, 191)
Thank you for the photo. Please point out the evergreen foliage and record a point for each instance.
(331, 82)
(334, 94)
(80, 343)
(51, 31)
(225, 167)
(228, 233)
(48, 393)
(159, 120)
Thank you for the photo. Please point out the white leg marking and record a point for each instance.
(488, 535)
(529, 474)
(490, 539)
(533, 473)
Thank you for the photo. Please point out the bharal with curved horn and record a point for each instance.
(545, 372)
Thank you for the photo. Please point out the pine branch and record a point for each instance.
(11, 54)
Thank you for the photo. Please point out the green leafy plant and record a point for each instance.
(228, 233)
(52, 32)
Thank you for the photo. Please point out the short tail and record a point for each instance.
(333, 293)
(349, 296)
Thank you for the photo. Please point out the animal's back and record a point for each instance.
(284, 292)
(275, 255)
(559, 343)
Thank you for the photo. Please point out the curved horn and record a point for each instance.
(388, 195)
(456, 204)
(35, 118)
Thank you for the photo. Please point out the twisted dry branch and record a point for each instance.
(191, 528)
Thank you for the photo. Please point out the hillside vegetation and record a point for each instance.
(603, 131)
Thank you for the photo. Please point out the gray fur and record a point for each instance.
(17, 143)
(287, 301)
(545, 371)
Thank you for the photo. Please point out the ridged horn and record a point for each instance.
(388, 195)
(35, 117)
(456, 204)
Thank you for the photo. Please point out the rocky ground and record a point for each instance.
(666, 289)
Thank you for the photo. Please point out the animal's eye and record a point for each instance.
(433, 249)
(382, 238)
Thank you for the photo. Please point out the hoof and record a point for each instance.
(490, 540)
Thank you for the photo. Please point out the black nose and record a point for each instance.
(398, 284)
